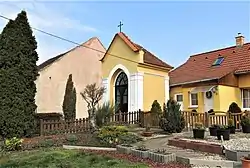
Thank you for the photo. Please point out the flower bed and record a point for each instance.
(200, 146)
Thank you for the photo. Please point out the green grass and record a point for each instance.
(60, 158)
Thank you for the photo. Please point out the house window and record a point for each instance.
(179, 98)
(246, 98)
(194, 99)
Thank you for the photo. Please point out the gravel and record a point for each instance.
(238, 141)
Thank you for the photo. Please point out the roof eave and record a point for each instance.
(196, 81)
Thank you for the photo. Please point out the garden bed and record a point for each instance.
(194, 145)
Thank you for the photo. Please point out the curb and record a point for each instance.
(211, 163)
(88, 147)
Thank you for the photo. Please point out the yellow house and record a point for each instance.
(213, 80)
(133, 76)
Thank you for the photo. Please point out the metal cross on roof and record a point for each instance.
(120, 26)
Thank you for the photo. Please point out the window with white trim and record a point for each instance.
(193, 99)
(246, 98)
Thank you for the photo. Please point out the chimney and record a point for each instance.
(239, 40)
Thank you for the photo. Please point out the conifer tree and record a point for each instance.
(69, 102)
(18, 72)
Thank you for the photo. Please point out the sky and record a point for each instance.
(172, 30)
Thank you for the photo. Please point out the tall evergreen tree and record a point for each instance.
(18, 72)
(69, 102)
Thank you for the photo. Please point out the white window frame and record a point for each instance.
(242, 102)
(175, 97)
(190, 100)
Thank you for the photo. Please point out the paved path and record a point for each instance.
(162, 143)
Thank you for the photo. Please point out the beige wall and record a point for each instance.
(85, 67)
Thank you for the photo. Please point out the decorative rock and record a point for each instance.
(162, 158)
(140, 153)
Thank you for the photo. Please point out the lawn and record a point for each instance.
(54, 158)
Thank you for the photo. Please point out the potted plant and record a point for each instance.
(245, 162)
(223, 131)
(162, 156)
(199, 131)
(213, 130)
(124, 148)
(231, 126)
(245, 123)
(140, 151)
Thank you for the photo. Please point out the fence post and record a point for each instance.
(41, 127)
(206, 118)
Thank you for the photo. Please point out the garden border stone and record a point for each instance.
(194, 145)
(140, 153)
(161, 158)
(211, 163)
(235, 155)
(123, 149)
(88, 148)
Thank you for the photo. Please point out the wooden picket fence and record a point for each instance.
(61, 126)
(137, 117)
(218, 117)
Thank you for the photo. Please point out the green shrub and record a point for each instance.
(245, 121)
(156, 107)
(114, 135)
(46, 143)
(234, 108)
(103, 114)
(13, 144)
(72, 139)
(173, 120)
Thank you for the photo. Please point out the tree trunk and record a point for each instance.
(92, 120)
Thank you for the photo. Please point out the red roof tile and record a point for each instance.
(149, 58)
(199, 67)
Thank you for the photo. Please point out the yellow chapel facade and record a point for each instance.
(133, 76)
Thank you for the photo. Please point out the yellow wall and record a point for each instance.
(227, 95)
(153, 86)
(224, 96)
(128, 57)
(244, 81)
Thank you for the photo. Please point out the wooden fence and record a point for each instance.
(137, 117)
(219, 118)
(82, 125)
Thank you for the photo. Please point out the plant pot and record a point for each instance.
(225, 134)
(162, 158)
(147, 133)
(232, 129)
(246, 128)
(245, 163)
(213, 131)
(199, 133)
(124, 149)
(140, 153)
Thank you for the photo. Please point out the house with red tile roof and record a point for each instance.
(214, 79)
(133, 76)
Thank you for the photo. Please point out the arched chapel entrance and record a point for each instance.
(121, 92)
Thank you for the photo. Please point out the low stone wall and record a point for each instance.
(200, 146)
(235, 155)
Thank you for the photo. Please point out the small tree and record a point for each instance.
(92, 94)
(234, 108)
(172, 120)
(156, 107)
(69, 102)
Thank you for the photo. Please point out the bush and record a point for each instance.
(13, 144)
(156, 107)
(114, 135)
(245, 121)
(172, 120)
(72, 139)
(234, 108)
(103, 114)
